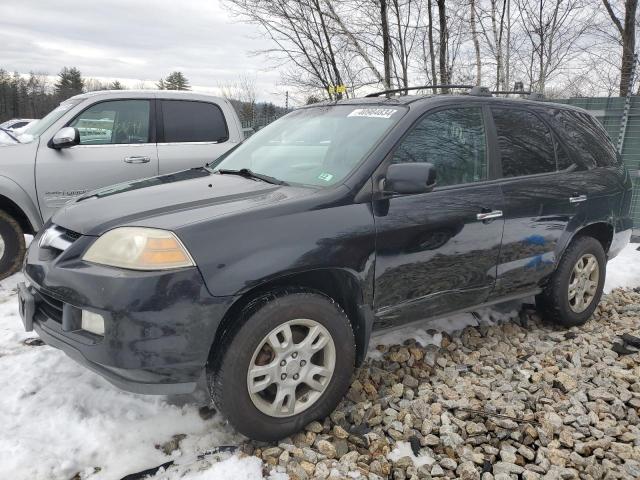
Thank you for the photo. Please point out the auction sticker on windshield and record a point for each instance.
(373, 112)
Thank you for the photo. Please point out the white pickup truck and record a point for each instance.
(98, 139)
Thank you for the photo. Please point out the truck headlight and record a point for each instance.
(139, 248)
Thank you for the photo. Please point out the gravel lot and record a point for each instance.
(512, 397)
(517, 400)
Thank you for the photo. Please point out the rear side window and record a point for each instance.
(526, 146)
(193, 122)
(586, 140)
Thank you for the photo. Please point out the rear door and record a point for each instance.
(437, 252)
(190, 134)
(117, 143)
(590, 165)
(541, 193)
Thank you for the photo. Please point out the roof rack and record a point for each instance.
(530, 95)
(474, 90)
(423, 87)
(509, 92)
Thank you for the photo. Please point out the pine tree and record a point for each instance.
(69, 83)
(161, 85)
(116, 85)
(176, 81)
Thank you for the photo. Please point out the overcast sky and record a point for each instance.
(135, 40)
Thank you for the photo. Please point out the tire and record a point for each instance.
(245, 345)
(554, 302)
(12, 246)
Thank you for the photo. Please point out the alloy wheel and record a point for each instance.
(583, 283)
(291, 368)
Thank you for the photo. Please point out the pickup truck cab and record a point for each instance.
(98, 139)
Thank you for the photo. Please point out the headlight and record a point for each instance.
(139, 248)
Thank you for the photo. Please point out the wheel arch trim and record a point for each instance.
(19, 202)
(341, 285)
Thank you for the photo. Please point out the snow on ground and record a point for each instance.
(624, 270)
(58, 419)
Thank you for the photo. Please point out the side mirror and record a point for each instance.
(65, 138)
(419, 177)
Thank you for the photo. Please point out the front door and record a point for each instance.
(116, 144)
(437, 252)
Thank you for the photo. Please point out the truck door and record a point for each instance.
(117, 143)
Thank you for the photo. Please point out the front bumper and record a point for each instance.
(159, 326)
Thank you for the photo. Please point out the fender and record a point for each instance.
(351, 289)
(571, 233)
(22, 199)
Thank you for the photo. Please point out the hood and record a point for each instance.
(169, 201)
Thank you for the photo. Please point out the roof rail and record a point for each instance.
(423, 87)
(509, 92)
(480, 91)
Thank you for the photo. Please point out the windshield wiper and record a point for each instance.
(247, 173)
(8, 132)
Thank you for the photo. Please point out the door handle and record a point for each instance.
(489, 215)
(137, 159)
(578, 199)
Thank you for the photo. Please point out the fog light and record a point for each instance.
(92, 322)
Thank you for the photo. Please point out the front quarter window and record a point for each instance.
(317, 146)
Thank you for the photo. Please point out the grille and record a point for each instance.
(71, 235)
(49, 306)
(57, 239)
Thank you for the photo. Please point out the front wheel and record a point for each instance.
(575, 288)
(288, 361)
(12, 245)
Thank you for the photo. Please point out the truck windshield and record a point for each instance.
(316, 146)
(36, 129)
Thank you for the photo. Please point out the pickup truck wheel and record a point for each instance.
(575, 288)
(288, 362)
(12, 246)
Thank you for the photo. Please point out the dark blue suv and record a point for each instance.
(268, 269)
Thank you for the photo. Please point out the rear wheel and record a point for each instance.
(288, 362)
(12, 245)
(575, 288)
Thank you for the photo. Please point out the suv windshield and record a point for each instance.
(36, 129)
(316, 146)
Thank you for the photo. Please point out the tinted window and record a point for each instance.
(453, 141)
(585, 139)
(526, 147)
(193, 122)
(119, 122)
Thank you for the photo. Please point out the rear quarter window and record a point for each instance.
(586, 141)
(189, 121)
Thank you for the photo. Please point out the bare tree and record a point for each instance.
(300, 32)
(627, 39)
(476, 42)
(553, 29)
(444, 38)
